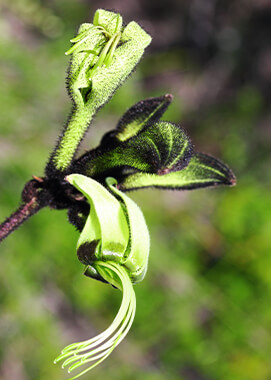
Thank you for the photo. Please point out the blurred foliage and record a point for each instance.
(204, 308)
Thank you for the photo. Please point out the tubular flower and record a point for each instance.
(114, 245)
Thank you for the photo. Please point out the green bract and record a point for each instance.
(114, 244)
(202, 171)
(164, 147)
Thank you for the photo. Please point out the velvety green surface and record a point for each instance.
(203, 309)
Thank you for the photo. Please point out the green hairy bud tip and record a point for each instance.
(102, 57)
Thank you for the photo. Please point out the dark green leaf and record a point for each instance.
(202, 171)
(145, 112)
(159, 148)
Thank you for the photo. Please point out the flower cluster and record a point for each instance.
(114, 243)
(142, 151)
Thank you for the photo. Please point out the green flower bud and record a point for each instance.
(102, 57)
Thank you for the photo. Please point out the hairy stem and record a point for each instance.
(19, 216)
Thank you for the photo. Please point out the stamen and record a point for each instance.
(109, 57)
(79, 36)
(75, 46)
(99, 348)
(102, 57)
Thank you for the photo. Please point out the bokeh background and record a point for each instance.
(204, 309)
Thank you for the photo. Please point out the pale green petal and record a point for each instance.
(106, 221)
(137, 254)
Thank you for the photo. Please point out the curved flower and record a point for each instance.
(114, 244)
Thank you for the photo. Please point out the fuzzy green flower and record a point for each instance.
(114, 244)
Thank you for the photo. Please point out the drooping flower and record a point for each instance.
(114, 245)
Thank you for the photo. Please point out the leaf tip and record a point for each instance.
(232, 179)
(169, 97)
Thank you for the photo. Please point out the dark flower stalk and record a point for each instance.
(19, 217)
(32, 203)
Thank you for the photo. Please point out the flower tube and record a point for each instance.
(114, 244)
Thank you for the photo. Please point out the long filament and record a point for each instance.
(97, 349)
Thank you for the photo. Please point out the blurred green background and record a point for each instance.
(204, 308)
